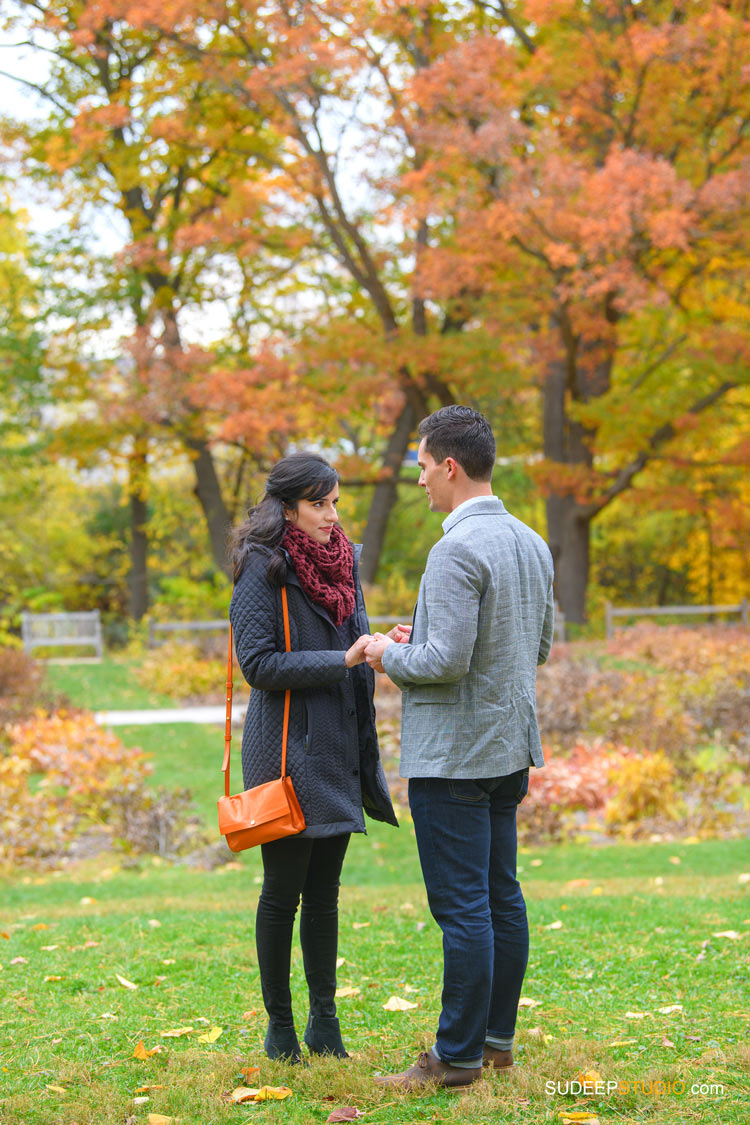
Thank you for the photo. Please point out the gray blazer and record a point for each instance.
(483, 621)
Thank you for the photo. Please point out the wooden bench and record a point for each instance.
(62, 630)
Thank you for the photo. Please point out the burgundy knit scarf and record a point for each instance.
(325, 570)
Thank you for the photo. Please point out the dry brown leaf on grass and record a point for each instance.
(145, 1089)
(57, 1089)
(578, 1117)
(250, 1071)
(526, 1002)
(345, 1113)
(731, 934)
(176, 1032)
(346, 991)
(397, 1004)
(160, 1119)
(125, 982)
(589, 1077)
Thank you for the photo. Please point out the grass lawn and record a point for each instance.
(107, 686)
(636, 936)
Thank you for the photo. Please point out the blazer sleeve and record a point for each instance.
(451, 589)
(254, 613)
(548, 627)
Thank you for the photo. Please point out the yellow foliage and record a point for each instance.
(644, 787)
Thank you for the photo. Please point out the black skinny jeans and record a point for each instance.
(292, 867)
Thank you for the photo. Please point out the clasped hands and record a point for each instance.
(371, 648)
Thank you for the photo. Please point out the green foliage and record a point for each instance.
(179, 671)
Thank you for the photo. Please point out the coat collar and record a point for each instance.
(487, 506)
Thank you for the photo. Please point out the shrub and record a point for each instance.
(66, 779)
(644, 787)
(180, 671)
(20, 684)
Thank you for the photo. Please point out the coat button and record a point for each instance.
(352, 711)
(355, 772)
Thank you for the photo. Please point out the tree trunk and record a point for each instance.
(385, 494)
(208, 492)
(581, 372)
(138, 580)
(571, 556)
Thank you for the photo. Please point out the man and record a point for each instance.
(482, 623)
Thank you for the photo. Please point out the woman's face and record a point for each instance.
(316, 517)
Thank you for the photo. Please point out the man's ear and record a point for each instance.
(452, 467)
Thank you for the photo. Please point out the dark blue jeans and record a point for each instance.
(466, 835)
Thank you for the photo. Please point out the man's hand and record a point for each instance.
(399, 633)
(375, 649)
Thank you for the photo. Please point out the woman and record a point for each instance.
(292, 538)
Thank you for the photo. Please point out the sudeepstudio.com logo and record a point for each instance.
(621, 1087)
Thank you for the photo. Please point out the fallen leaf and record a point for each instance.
(141, 1100)
(731, 934)
(108, 1016)
(210, 1036)
(360, 925)
(623, 1042)
(582, 1116)
(169, 961)
(49, 948)
(40, 926)
(347, 990)
(743, 877)
(7, 936)
(635, 1015)
(250, 1071)
(176, 1032)
(675, 859)
(525, 1002)
(145, 1089)
(573, 883)
(262, 1094)
(346, 1113)
(667, 1042)
(57, 1089)
(397, 1004)
(340, 961)
(18, 961)
(536, 863)
(160, 1119)
(670, 1008)
(250, 1014)
(90, 944)
(154, 923)
(51, 978)
(554, 925)
(125, 982)
(142, 1052)
(589, 1077)
(598, 891)
(86, 901)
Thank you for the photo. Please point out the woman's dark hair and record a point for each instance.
(463, 434)
(300, 476)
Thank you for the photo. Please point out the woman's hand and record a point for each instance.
(356, 654)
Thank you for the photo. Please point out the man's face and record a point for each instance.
(433, 479)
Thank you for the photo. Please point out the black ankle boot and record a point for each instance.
(281, 1042)
(323, 1037)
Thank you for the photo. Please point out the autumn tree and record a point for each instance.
(593, 160)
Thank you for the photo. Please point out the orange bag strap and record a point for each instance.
(230, 687)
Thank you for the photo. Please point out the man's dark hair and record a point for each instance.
(463, 434)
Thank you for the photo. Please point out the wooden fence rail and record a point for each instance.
(610, 611)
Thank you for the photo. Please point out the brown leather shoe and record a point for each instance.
(427, 1071)
(499, 1060)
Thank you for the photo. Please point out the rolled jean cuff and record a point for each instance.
(500, 1043)
(460, 1064)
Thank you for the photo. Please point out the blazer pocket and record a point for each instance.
(434, 693)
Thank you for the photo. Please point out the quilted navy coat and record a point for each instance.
(332, 749)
